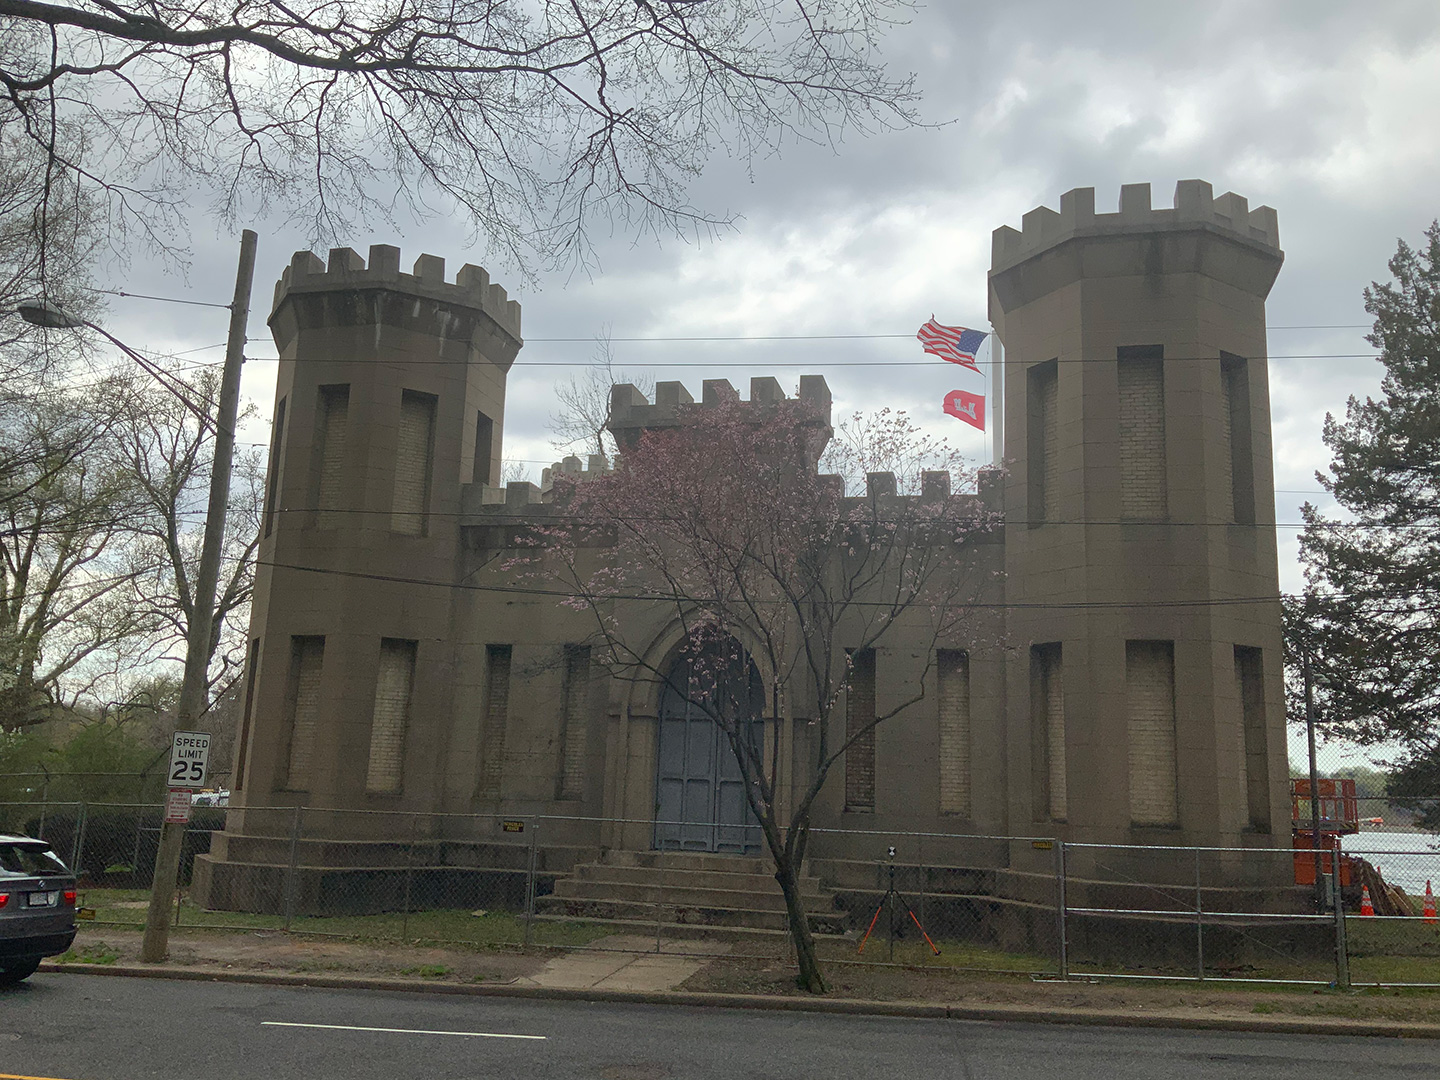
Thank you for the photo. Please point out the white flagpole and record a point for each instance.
(997, 403)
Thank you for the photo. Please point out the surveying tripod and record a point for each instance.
(892, 894)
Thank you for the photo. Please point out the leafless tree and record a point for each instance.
(584, 400)
(168, 453)
(535, 117)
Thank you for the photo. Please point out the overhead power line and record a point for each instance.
(520, 518)
(524, 590)
(937, 364)
(162, 299)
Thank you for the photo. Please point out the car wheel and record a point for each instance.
(15, 970)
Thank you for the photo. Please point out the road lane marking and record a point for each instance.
(17, 1076)
(396, 1031)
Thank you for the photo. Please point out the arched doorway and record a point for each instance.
(700, 802)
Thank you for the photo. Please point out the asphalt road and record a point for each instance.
(78, 1027)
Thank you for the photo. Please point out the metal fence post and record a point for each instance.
(1062, 945)
(659, 899)
(1199, 922)
(530, 882)
(77, 849)
(1342, 953)
(409, 876)
(290, 869)
(924, 881)
(135, 858)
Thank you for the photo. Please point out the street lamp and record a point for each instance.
(53, 317)
(43, 313)
(207, 577)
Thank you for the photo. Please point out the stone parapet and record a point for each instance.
(347, 270)
(572, 468)
(1195, 206)
(631, 411)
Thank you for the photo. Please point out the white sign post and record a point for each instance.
(189, 755)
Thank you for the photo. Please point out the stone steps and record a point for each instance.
(682, 895)
(706, 879)
(671, 931)
(643, 916)
(686, 888)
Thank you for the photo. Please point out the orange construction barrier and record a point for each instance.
(1366, 907)
(1429, 904)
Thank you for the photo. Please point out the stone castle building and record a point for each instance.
(1129, 690)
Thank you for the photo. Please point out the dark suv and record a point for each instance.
(37, 906)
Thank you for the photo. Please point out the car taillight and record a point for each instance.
(4, 898)
(70, 897)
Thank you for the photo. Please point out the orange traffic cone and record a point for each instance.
(1366, 907)
(1429, 904)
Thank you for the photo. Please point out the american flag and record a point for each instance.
(953, 343)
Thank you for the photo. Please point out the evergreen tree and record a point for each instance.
(1370, 614)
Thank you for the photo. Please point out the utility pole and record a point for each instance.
(1314, 782)
(200, 631)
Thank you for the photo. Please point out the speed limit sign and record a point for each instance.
(188, 756)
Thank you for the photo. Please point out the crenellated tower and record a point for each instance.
(1145, 699)
(390, 401)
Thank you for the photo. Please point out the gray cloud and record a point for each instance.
(1323, 110)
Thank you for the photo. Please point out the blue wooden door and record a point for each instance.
(700, 802)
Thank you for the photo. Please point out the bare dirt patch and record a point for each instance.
(273, 950)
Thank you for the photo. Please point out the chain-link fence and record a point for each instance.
(1025, 905)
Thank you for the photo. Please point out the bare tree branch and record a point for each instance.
(534, 119)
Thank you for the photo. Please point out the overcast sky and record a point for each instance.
(1325, 111)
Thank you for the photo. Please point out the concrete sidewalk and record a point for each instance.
(624, 962)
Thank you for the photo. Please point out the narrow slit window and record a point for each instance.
(414, 463)
(1235, 378)
(307, 660)
(1150, 708)
(1140, 376)
(860, 717)
(1047, 726)
(484, 449)
(331, 435)
(497, 714)
(252, 661)
(394, 682)
(1043, 417)
(1254, 746)
(277, 455)
(953, 676)
(574, 712)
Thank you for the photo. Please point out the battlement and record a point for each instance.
(347, 270)
(572, 468)
(1195, 205)
(630, 410)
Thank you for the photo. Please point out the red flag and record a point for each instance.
(967, 407)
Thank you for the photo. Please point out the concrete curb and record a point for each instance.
(849, 1006)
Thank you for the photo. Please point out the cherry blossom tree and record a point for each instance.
(724, 526)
